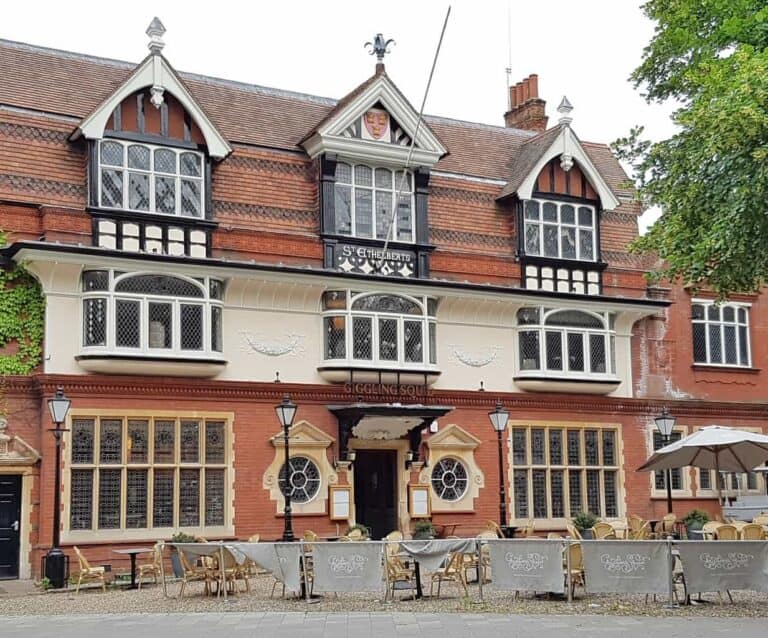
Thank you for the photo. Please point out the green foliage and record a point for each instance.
(44, 583)
(584, 520)
(695, 519)
(363, 529)
(710, 178)
(22, 316)
(182, 537)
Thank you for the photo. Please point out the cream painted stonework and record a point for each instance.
(304, 440)
(455, 442)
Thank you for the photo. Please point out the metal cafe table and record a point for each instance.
(133, 552)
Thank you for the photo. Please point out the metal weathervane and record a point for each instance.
(379, 47)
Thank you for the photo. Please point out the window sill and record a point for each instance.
(351, 372)
(544, 383)
(106, 363)
(560, 262)
(708, 367)
(157, 218)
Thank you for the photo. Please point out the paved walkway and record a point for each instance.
(373, 625)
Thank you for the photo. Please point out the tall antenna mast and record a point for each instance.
(509, 55)
(404, 178)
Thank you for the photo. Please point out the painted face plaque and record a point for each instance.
(376, 124)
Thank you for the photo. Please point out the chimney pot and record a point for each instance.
(526, 91)
(518, 93)
(534, 85)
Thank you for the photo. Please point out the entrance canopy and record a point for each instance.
(385, 421)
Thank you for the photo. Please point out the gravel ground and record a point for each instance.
(150, 600)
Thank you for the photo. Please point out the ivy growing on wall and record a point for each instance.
(22, 312)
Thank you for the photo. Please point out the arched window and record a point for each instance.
(379, 329)
(566, 342)
(151, 313)
(364, 198)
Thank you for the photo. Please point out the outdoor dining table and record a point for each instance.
(133, 552)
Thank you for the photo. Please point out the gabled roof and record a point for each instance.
(156, 73)
(379, 89)
(71, 85)
(538, 151)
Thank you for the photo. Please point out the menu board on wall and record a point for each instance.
(419, 500)
(340, 499)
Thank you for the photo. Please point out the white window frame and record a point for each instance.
(375, 362)
(177, 177)
(685, 474)
(394, 231)
(559, 224)
(721, 324)
(111, 298)
(608, 334)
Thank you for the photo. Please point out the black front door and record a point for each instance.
(375, 491)
(10, 525)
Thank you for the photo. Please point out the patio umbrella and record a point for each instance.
(712, 448)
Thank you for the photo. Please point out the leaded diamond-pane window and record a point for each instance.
(566, 342)
(720, 334)
(189, 498)
(365, 199)
(560, 483)
(95, 322)
(183, 482)
(303, 480)
(449, 479)
(111, 436)
(128, 325)
(109, 499)
(160, 325)
(82, 440)
(147, 178)
(191, 327)
(136, 499)
(387, 329)
(159, 285)
(81, 500)
(553, 229)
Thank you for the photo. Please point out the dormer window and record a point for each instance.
(560, 230)
(150, 179)
(364, 197)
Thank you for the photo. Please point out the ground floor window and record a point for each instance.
(560, 470)
(148, 472)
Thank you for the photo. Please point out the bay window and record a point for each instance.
(151, 314)
(568, 343)
(560, 230)
(150, 179)
(379, 330)
(364, 202)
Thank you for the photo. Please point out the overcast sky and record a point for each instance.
(584, 49)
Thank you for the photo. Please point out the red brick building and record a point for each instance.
(206, 246)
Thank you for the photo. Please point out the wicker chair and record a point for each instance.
(752, 532)
(573, 532)
(192, 573)
(761, 519)
(667, 526)
(155, 568)
(453, 572)
(529, 528)
(87, 573)
(709, 529)
(643, 533)
(494, 527)
(576, 560)
(397, 572)
(727, 532)
(603, 531)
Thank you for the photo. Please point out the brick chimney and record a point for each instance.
(527, 109)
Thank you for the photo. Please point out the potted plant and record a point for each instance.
(179, 537)
(423, 530)
(584, 522)
(694, 521)
(366, 533)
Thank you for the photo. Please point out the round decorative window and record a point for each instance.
(449, 479)
(304, 479)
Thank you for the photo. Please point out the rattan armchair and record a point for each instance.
(574, 560)
(452, 572)
(398, 572)
(727, 532)
(87, 573)
(155, 568)
(752, 532)
(195, 573)
(602, 531)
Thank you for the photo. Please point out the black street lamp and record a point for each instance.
(286, 412)
(499, 417)
(54, 559)
(665, 423)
